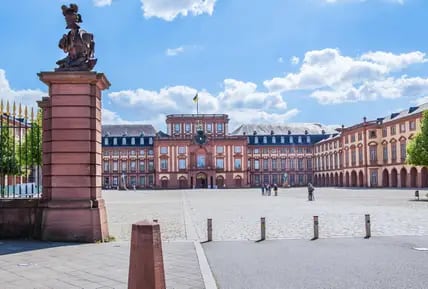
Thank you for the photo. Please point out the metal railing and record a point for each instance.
(20, 152)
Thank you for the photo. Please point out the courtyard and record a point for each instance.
(236, 213)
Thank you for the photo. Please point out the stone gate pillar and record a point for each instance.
(73, 207)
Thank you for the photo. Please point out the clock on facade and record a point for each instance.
(200, 137)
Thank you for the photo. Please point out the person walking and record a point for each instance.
(311, 192)
(275, 190)
(263, 189)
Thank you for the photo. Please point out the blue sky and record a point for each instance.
(271, 61)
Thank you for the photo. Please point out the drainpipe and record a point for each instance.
(365, 152)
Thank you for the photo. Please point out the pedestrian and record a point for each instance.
(311, 192)
(263, 189)
(275, 189)
(268, 189)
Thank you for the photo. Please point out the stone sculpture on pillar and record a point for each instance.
(78, 43)
(73, 208)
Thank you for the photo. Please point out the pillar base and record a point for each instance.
(75, 221)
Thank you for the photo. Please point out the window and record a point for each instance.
(200, 161)
(283, 164)
(336, 161)
(403, 151)
(274, 167)
(124, 166)
(385, 153)
(373, 153)
(123, 141)
(308, 139)
(133, 180)
(290, 139)
(265, 164)
(150, 153)
(181, 150)
(106, 166)
(249, 151)
(237, 149)
(249, 164)
(353, 137)
(123, 153)
(274, 139)
(265, 151)
(282, 139)
(264, 139)
(164, 164)
(291, 178)
(384, 132)
(177, 128)
(273, 151)
(372, 134)
(209, 127)
(257, 179)
(291, 164)
(393, 152)
(132, 153)
(238, 164)
(106, 141)
(309, 164)
(142, 166)
(151, 180)
(187, 127)
(412, 125)
(292, 150)
(142, 181)
(360, 155)
(346, 159)
(141, 141)
(353, 157)
(150, 141)
(299, 150)
(300, 164)
(393, 130)
(402, 127)
(220, 149)
(301, 179)
(220, 127)
(163, 150)
(106, 153)
(151, 165)
(360, 136)
(299, 139)
(115, 141)
(256, 140)
(133, 165)
(115, 166)
(115, 181)
(133, 141)
(142, 152)
(181, 164)
(256, 150)
(106, 181)
(256, 164)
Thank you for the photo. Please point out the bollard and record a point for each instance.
(368, 230)
(146, 268)
(417, 194)
(263, 228)
(316, 231)
(210, 230)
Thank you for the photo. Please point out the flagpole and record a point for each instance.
(197, 106)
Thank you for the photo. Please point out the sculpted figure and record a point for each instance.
(78, 44)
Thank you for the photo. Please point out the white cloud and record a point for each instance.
(280, 60)
(421, 100)
(28, 97)
(341, 1)
(331, 77)
(101, 3)
(169, 9)
(295, 60)
(238, 98)
(174, 51)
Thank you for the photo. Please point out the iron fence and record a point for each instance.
(20, 152)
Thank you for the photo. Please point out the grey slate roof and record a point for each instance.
(128, 130)
(282, 129)
(406, 112)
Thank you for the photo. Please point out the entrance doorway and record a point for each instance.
(201, 181)
(219, 182)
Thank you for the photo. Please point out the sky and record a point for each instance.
(272, 61)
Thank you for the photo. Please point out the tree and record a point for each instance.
(417, 150)
(9, 165)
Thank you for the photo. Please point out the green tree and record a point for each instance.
(9, 165)
(417, 150)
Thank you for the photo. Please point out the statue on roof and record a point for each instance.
(78, 43)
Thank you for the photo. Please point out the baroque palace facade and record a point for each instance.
(197, 151)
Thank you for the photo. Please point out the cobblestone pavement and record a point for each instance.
(44, 265)
(236, 213)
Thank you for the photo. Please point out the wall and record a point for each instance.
(20, 219)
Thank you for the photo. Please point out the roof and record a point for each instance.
(283, 129)
(410, 111)
(128, 130)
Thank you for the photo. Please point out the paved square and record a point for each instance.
(236, 213)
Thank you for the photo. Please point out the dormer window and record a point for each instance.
(115, 141)
(133, 141)
(209, 127)
(273, 139)
(308, 139)
(264, 139)
(290, 139)
(141, 141)
(282, 139)
(220, 127)
(299, 139)
(177, 128)
(124, 141)
(187, 127)
(106, 141)
(256, 140)
(150, 141)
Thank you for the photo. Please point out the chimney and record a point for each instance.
(306, 131)
(271, 132)
(289, 132)
(254, 132)
(364, 119)
(323, 131)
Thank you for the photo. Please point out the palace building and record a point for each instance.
(198, 151)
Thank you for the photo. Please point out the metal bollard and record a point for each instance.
(210, 230)
(316, 231)
(263, 228)
(368, 229)
(417, 194)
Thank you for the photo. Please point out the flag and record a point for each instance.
(196, 98)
